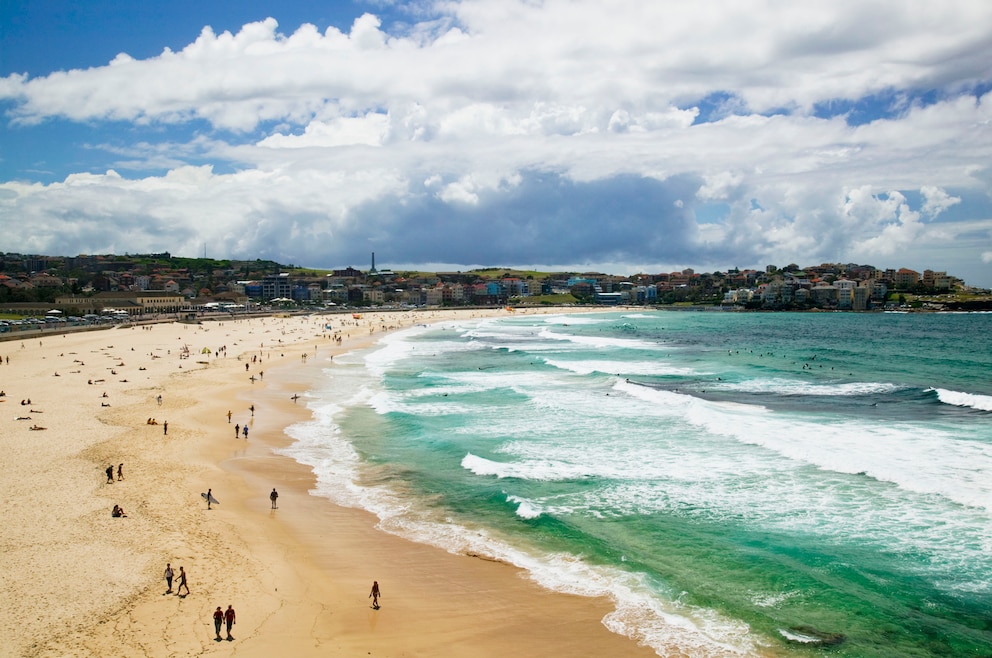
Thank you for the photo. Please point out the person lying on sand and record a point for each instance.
(37, 427)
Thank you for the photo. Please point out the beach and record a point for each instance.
(154, 401)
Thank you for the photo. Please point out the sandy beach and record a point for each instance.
(155, 400)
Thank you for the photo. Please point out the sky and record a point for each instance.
(622, 137)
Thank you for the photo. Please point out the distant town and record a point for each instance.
(56, 289)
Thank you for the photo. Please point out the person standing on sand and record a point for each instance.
(168, 577)
(209, 497)
(229, 617)
(218, 620)
(165, 427)
(274, 496)
(374, 594)
(228, 416)
(237, 430)
(244, 430)
(182, 582)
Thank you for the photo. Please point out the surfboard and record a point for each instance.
(213, 501)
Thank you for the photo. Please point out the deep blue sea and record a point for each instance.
(790, 484)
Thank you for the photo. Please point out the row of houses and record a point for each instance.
(174, 290)
(841, 294)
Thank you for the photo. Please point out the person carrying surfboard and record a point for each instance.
(209, 497)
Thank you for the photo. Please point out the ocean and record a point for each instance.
(789, 484)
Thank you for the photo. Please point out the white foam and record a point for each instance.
(660, 450)
(601, 342)
(935, 463)
(656, 368)
(773, 599)
(664, 624)
(543, 469)
(385, 402)
(793, 636)
(784, 386)
(572, 319)
(981, 402)
(391, 349)
(526, 509)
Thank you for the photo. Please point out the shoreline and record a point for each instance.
(298, 576)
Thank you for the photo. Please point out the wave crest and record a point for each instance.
(958, 399)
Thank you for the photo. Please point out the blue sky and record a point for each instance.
(622, 137)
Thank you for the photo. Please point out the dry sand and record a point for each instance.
(77, 582)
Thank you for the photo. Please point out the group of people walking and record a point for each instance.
(222, 616)
(170, 574)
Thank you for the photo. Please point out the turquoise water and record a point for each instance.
(738, 484)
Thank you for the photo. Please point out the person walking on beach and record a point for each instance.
(209, 497)
(374, 594)
(165, 427)
(110, 474)
(159, 399)
(229, 618)
(228, 416)
(182, 582)
(169, 574)
(237, 430)
(120, 471)
(274, 496)
(218, 620)
(244, 430)
(252, 410)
